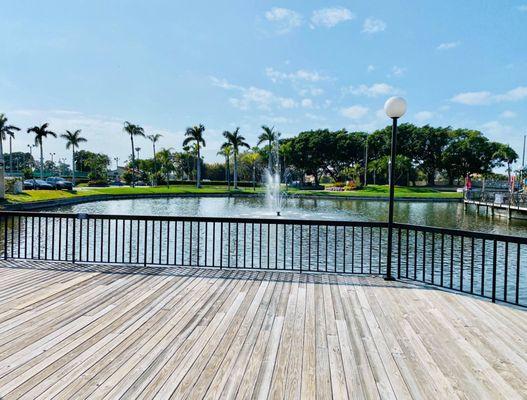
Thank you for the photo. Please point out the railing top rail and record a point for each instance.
(460, 232)
(274, 221)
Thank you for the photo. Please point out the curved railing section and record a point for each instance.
(487, 265)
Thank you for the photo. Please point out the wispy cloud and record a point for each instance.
(375, 90)
(398, 71)
(486, 97)
(284, 19)
(508, 114)
(423, 116)
(299, 75)
(354, 112)
(373, 25)
(329, 17)
(522, 8)
(448, 45)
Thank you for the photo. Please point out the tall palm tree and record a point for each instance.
(154, 139)
(133, 130)
(236, 141)
(73, 140)
(5, 130)
(226, 151)
(270, 136)
(195, 134)
(41, 132)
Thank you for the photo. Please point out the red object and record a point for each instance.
(468, 182)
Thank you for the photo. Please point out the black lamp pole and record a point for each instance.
(389, 276)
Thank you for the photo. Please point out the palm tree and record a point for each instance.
(154, 139)
(226, 151)
(5, 130)
(195, 134)
(41, 132)
(166, 163)
(73, 140)
(236, 141)
(268, 135)
(133, 130)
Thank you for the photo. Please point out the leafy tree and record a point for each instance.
(134, 131)
(73, 140)
(235, 141)
(427, 147)
(252, 158)
(226, 151)
(194, 135)
(166, 164)
(41, 132)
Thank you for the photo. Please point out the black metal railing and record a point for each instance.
(492, 266)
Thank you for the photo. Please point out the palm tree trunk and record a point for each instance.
(254, 177)
(155, 164)
(270, 161)
(133, 161)
(73, 168)
(198, 169)
(41, 161)
(10, 156)
(235, 170)
(228, 173)
(2, 170)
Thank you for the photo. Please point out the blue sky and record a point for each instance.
(296, 65)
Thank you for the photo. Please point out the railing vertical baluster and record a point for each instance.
(275, 246)
(175, 242)
(433, 258)
(183, 242)
(244, 244)
(18, 232)
(371, 248)
(228, 245)
(472, 266)
(344, 249)
(483, 268)
(335, 250)
(145, 240)
(4, 219)
(451, 262)
(168, 243)
(461, 256)
(300, 252)
(285, 245)
(353, 249)
(268, 245)
(292, 246)
(46, 238)
(159, 259)
(380, 250)
(206, 244)
(309, 248)
(326, 269)
(424, 257)
(260, 246)
(318, 247)
(221, 245)
(442, 258)
(213, 244)
(73, 240)
(39, 236)
(236, 247)
(190, 244)
(407, 263)
(362, 249)
(25, 237)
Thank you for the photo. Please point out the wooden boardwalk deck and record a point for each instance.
(89, 331)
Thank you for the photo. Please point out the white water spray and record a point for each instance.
(273, 193)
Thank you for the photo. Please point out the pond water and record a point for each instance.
(446, 214)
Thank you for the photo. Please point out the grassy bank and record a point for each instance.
(370, 191)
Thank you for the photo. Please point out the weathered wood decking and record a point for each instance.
(77, 332)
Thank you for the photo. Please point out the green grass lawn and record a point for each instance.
(369, 191)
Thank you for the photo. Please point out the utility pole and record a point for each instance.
(523, 162)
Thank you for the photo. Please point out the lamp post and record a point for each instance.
(395, 107)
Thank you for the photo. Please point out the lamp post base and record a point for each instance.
(389, 278)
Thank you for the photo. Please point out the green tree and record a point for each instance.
(235, 141)
(73, 140)
(270, 136)
(5, 130)
(41, 132)
(165, 160)
(226, 151)
(134, 131)
(194, 135)
(252, 158)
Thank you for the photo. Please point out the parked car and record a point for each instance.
(38, 184)
(59, 183)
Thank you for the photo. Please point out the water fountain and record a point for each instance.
(273, 193)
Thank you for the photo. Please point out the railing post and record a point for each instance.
(494, 264)
(73, 241)
(5, 237)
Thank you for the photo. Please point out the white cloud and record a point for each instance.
(522, 8)
(307, 103)
(422, 116)
(508, 114)
(260, 98)
(375, 90)
(314, 117)
(284, 19)
(497, 129)
(299, 75)
(223, 83)
(473, 98)
(370, 68)
(398, 71)
(448, 45)
(354, 112)
(314, 91)
(486, 97)
(373, 25)
(329, 17)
